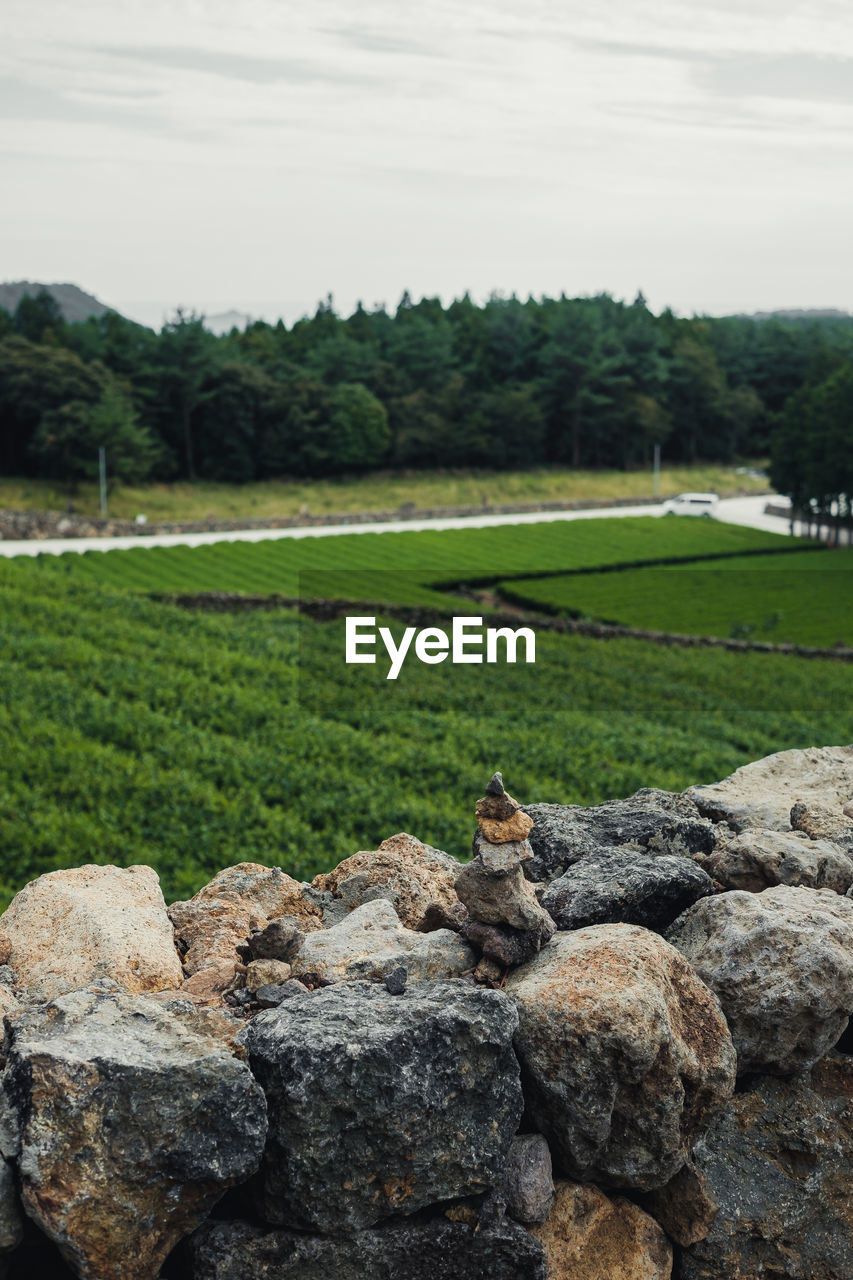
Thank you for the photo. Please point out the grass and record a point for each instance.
(378, 492)
(401, 567)
(137, 732)
(803, 597)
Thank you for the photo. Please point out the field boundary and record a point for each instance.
(332, 610)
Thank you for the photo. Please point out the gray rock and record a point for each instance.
(563, 834)
(625, 1054)
(133, 1119)
(381, 1104)
(528, 1186)
(370, 943)
(757, 859)
(436, 1250)
(396, 980)
(495, 891)
(280, 940)
(272, 994)
(501, 943)
(621, 886)
(685, 1207)
(820, 823)
(778, 1161)
(781, 964)
(761, 794)
(11, 1225)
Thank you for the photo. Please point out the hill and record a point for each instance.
(74, 304)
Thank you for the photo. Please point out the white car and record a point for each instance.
(692, 504)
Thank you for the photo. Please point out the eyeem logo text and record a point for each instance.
(469, 642)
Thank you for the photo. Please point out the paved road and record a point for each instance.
(746, 511)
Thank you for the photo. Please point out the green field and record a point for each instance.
(804, 597)
(403, 567)
(139, 732)
(204, 500)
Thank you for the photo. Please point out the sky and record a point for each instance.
(261, 155)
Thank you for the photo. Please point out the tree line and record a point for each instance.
(584, 382)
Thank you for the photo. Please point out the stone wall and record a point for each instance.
(613, 1044)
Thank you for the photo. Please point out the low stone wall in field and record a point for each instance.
(613, 1044)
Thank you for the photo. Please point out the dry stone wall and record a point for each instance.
(613, 1044)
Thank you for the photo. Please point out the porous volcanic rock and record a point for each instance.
(371, 943)
(761, 794)
(781, 964)
(382, 1104)
(565, 833)
(411, 875)
(502, 944)
(821, 823)
(685, 1207)
(494, 889)
(68, 928)
(778, 1161)
(757, 859)
(624, 886)
(589, 1236)
(133, 1119)
(625, 1054)
(211, 925)
(11, 1224)
(528, 1182)
(434, 1250)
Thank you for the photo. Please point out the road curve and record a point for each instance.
(745, 511)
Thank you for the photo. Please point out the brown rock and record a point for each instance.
(211, 983)
(489, 972)
(518, 827)
(5, 948)
(625, 1053)
(262, 973)
(68, 928)
(685, 1207)
(503, 897)
(209, 930)
(269, 889)
(497, 807)
(413, 876)
(438, 916)
(821, 823)
(588, 1236)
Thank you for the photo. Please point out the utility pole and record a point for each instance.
(102, 474)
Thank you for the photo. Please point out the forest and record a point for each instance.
(580, 382)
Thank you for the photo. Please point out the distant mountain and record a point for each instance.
(225, 321)
(795, 313)
(74, 304)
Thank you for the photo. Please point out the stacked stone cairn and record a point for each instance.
(614, 1045)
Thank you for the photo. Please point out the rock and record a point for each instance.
(494, 889)
(110, 922)
(757, 859)
(280, 940)
(436, 1250)
(501, 859)
(209, 931)
(685, 1207)
(5, 948)
(396, 981)
(515, 828)
(820, 823)
(563, 834)
(11, 1224)
(761, 794)
(781, 965)
(412, 876)
(528, 1185)
(382, 1104)
(625, 1054)
(489, 972)
(438, 916)
(620, 886)
(261, 973)
(496, 804)
(134, 1118)
(272, 995)
(504, 945)
(370, 943)
(778, 1161)
(210, 984)
(588, 1236)
(217, 920)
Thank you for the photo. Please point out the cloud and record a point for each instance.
(380, 42)
(236, 66)
(21, 100)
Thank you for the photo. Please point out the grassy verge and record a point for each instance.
(384, 491)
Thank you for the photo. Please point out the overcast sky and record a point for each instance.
(261, 154)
